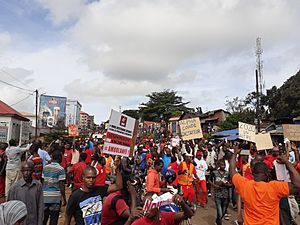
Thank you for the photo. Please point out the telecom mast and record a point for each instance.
(259, 81)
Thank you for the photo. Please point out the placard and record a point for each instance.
(73, 130)
(263, 141)
(291, 131)
(190, 129)
(247, 132)
(119, 136)
(158, 201)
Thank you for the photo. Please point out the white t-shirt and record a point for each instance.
(201, 167)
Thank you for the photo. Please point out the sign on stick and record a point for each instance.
(190, 129)
(120, 133)
(263, 141)
(291, 131)
(247, 132)
(73, 130)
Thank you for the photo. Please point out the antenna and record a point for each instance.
(260, 85)
(259, 65)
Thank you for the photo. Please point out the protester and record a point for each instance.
(37, 161)
(185, 178)
(13, 213)
(54, 188)
(13, 154)
(77, 171)
(3, 161)
(119, 205)
(220, 182)
(29, 191)
(166, 158)
(43, 154)
(101, 173)
(155, 217)
(261, 196)
(153, 182)
(85, 204)
(109, 164)
(201, 167)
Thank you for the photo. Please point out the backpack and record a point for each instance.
(113, 206)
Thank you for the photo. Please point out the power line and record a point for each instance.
(12, 85)
(9, 74)
(21, 100)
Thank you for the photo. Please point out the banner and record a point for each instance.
(190, 129)
(73, 130)
(247, 132)
(158, 201)
(291, 131)
(120, 133)
(263, 141)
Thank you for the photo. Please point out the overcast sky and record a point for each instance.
(110, 53)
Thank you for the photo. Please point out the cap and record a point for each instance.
(200, 153)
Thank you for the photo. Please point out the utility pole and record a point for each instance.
(36, 111)
(259, 81)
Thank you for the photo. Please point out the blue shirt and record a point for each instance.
(44, 155)
(167, 160)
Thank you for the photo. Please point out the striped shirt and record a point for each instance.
(52, 174)
(38, 166)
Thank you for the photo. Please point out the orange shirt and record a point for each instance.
(108, 165)
(261, 199)
(152, 181)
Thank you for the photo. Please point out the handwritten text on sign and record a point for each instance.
(247, 132)
(190, 129)
(291, 131)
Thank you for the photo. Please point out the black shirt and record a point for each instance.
(86, 207)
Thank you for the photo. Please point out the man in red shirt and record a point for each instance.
(101, 172)
(37, 161)
(77, 170)
(269, 159)
(175, 167)
(89, 154)
(116, 209)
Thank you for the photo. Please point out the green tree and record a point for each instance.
(163, 105)
(134, 113)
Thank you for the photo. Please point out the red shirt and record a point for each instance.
(297, 167)
(109, 215)
(77, 170)
(101, 176)
(68, 156)
(174, 166)
(89, 154)
(166, 218)
(269, 159)
(248, 174)
(38, 166)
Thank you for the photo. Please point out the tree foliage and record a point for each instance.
(134, 113)
(163, 105)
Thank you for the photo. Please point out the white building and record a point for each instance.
(13, 125)
(73, 109)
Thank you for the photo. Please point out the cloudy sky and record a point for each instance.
(110, 53)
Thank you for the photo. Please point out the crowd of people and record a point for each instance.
(104, 189)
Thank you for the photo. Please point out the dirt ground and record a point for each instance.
(204, 216)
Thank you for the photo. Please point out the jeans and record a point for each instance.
(221, 205)
(51, 210)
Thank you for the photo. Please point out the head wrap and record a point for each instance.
(11, 212)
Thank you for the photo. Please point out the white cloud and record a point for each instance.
(5, 40)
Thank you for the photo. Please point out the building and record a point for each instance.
(13, 125)
(211, 120)
(83, 120)
(73, 109)
(90, 122)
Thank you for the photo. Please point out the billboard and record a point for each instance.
(52, 111)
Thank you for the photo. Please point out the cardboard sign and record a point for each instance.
(190, 129)
(247, 132)
(158, 201)
(120, 133)
(291, 131)
(263, 141)
(73, 130)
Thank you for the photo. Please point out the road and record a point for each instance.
(204, 216)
